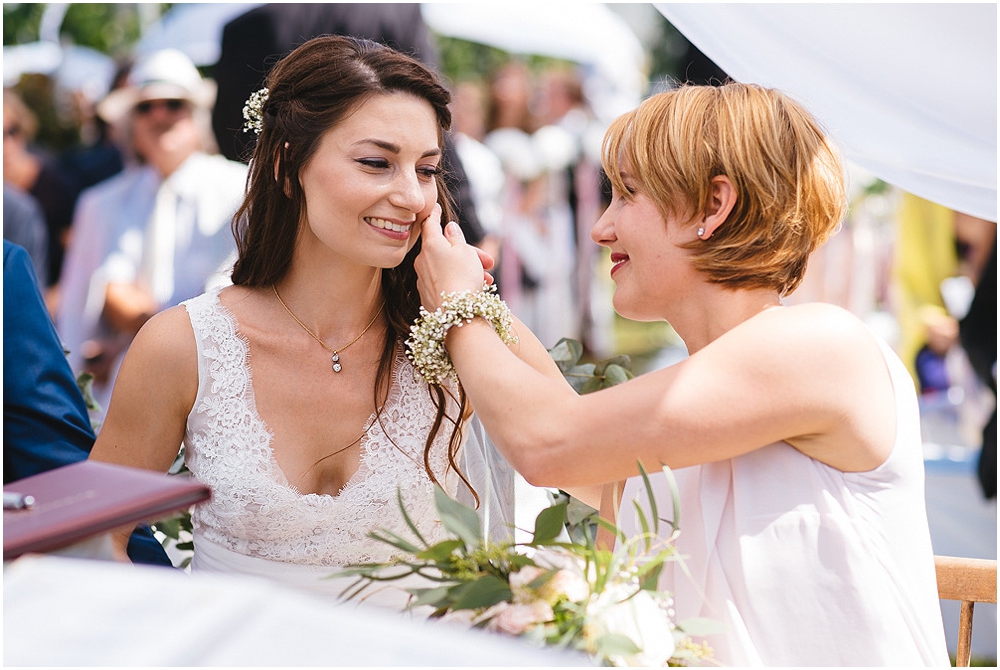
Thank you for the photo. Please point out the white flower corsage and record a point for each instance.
(425, 348)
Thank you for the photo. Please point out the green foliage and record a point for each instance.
(85, 382)
(589, 377)
(571, 595)
(581, 518)
(462, 60)
(876, 187)
(109, 27)
(21, 21)
(177, 529)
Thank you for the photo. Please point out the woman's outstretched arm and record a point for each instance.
(781, 375)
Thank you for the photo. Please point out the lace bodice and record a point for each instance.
(254, 511)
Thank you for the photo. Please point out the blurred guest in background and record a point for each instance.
(37, 173)
(482, 167)
(98, 156)
(939, 256)
(564, 106)
(978, 335)
(157, 233)
(552, 196)
(24, 225)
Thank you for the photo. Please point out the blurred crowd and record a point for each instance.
(134, 218)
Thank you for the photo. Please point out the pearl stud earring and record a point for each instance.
(701, 231)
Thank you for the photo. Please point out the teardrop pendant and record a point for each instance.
(337, 367)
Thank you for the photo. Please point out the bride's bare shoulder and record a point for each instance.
(166, 338)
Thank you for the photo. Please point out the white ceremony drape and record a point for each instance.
(908, 91)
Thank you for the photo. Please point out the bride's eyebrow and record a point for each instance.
(395, 148)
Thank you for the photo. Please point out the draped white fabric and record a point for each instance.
(61, 611)
(909, 91)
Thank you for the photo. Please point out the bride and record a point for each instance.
(290, 389)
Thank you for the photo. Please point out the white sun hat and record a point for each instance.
(162, 75)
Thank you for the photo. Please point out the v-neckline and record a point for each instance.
(250, 398)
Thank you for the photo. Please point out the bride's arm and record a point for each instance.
(153, 395)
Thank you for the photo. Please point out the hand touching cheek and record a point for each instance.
(446, 262)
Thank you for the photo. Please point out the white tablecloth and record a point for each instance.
(61, 611)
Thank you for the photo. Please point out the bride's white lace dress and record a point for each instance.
(257, 523)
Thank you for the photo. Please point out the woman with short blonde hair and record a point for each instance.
(793, 431)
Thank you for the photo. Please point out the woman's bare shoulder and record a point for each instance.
(166, 342)
(811, 326)
(171, 323)
(805, 344)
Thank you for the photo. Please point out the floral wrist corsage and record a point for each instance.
(425, 348)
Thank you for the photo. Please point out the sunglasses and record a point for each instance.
(172, 104)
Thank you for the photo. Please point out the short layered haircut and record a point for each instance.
(788, 177)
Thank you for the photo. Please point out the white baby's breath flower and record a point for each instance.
(425, 347)
(253, 111)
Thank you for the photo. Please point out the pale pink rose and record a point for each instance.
(524, 576)
(568, 580)
(568, 584)
(516, 619)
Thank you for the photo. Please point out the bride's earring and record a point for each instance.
(701, 231)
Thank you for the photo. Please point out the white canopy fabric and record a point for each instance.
(909, 91)
(193, 28)
(73, 67)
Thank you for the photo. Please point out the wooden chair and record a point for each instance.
(969, 580)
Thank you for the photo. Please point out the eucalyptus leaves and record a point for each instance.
(589, 377)
(549, 591)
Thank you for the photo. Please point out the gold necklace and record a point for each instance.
(337, 367)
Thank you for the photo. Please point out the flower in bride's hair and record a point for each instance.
(253, 111)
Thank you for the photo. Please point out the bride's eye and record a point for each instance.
(376, 163)
(429, 171)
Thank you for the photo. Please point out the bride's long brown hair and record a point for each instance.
(310, 91)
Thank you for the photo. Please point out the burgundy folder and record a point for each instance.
(88, 498)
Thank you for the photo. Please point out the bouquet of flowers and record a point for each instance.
(553, 592)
